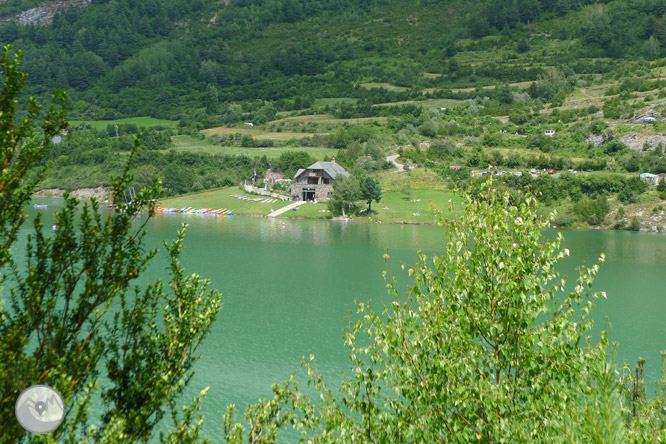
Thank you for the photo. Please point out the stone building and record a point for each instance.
(316, 181)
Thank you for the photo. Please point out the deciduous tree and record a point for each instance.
(346, 191)
(485, 346)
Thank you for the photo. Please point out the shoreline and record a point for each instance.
(100, 193)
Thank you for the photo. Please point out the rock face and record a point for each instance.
(596, 140)
(98, 193)
(43, 14)
(649, 143)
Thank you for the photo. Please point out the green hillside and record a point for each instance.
(126, 58)
(221, 90)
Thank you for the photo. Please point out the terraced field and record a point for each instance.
(191, 144)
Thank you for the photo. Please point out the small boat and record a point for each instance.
(40, 206)
(229, 213)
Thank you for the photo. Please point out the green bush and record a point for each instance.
(635, 225)
(592, 211)
(597, 127)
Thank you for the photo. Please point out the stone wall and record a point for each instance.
(321, 191)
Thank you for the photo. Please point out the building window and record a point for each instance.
(326, 181)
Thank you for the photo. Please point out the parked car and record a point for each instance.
(552, 171)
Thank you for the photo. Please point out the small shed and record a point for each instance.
(649, 178)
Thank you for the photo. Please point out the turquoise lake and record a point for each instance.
(287, 289)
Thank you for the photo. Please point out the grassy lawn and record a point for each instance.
(222, 198)
(401, 208)
(186, 143)
(416, 208)
(309, 211)
(138, 121)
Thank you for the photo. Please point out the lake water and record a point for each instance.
(287, 289)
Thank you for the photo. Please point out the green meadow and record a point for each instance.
(185, 143)
(138, 121)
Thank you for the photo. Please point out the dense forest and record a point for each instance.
(124, 57)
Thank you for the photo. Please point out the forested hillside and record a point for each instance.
(158, 57)
(221, 89)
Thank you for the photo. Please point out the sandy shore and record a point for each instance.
(98, 193)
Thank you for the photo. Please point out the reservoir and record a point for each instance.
(287, 287)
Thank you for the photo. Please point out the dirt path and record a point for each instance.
(398, 165)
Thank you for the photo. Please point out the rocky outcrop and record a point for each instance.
(98, 193)
(638, 143)
(597, 140)
(43, 14)
(650, 113)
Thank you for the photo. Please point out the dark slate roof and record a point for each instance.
(331, 168)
